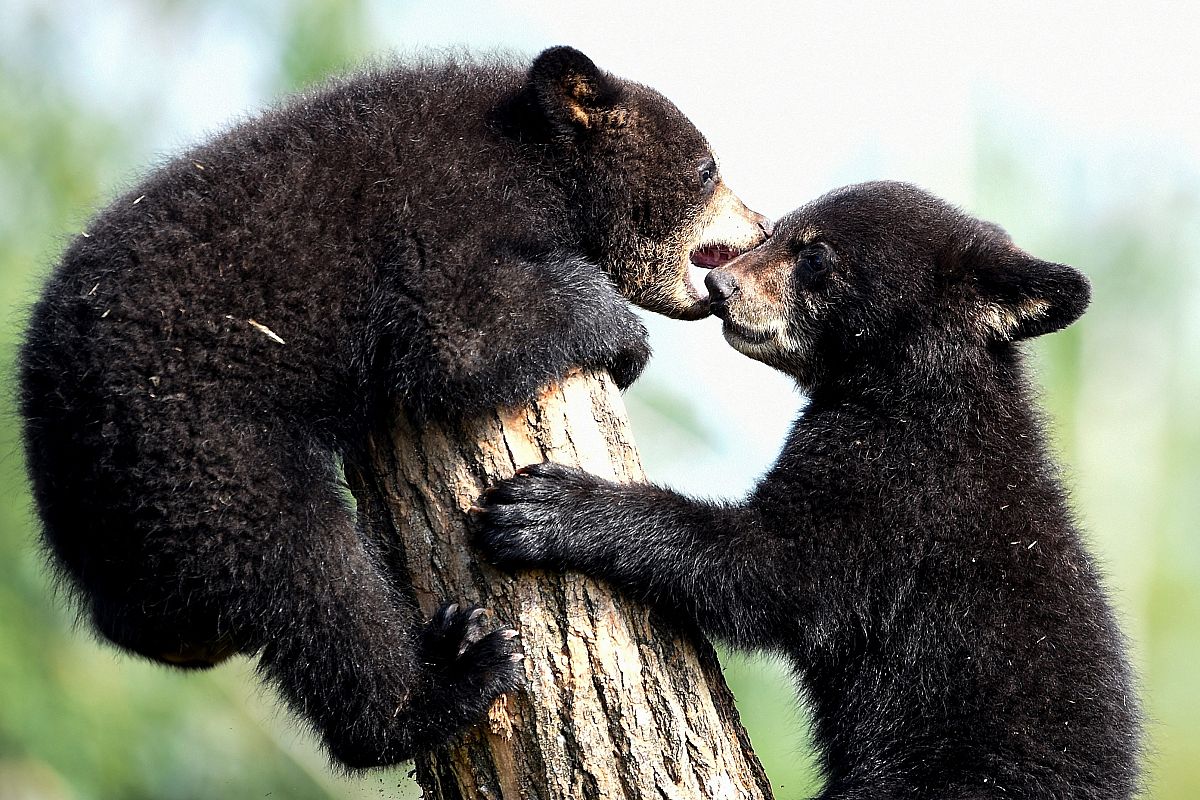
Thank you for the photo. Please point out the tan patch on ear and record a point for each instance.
(1032, 309)
(578, 114)
(995, 319)
(606, 118)
(578, 87)
(578, 93)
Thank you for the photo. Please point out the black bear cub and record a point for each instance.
(912, 551)
(456, 234)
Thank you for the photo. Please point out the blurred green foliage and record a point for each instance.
(78, 721)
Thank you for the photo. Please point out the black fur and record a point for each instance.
(456, 234)
(912, 551)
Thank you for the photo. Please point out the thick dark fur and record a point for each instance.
(455, 234)
(912, 551)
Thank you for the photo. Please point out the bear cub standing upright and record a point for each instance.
(912, 550)
(456, 234)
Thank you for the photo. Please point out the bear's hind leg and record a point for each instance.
(247, 543)
(347, 649)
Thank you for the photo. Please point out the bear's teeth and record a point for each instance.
(711, 256)
(696, 276)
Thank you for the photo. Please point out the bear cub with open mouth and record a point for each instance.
(912, 551)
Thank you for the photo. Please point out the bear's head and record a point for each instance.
(647, 199)
(884, 276)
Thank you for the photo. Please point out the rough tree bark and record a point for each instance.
(621, 703)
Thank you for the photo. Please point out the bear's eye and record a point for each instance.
(815, 259)
(708, 176)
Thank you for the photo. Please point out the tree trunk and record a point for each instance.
(621, 703)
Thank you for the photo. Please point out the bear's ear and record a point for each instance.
(1019, 296)
(574, 94)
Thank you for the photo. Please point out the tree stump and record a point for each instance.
(621, 704)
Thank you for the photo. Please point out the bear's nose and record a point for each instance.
(721, 286)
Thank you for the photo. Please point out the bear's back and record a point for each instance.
(256, 259)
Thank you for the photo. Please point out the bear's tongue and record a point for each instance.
(702, 259)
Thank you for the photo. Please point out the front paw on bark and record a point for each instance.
(521, 519)
(457, 644)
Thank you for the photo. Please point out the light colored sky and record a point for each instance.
(796, 98)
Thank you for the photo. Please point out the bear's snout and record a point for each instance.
(721, 287)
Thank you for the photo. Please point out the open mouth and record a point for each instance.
(704, 258)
